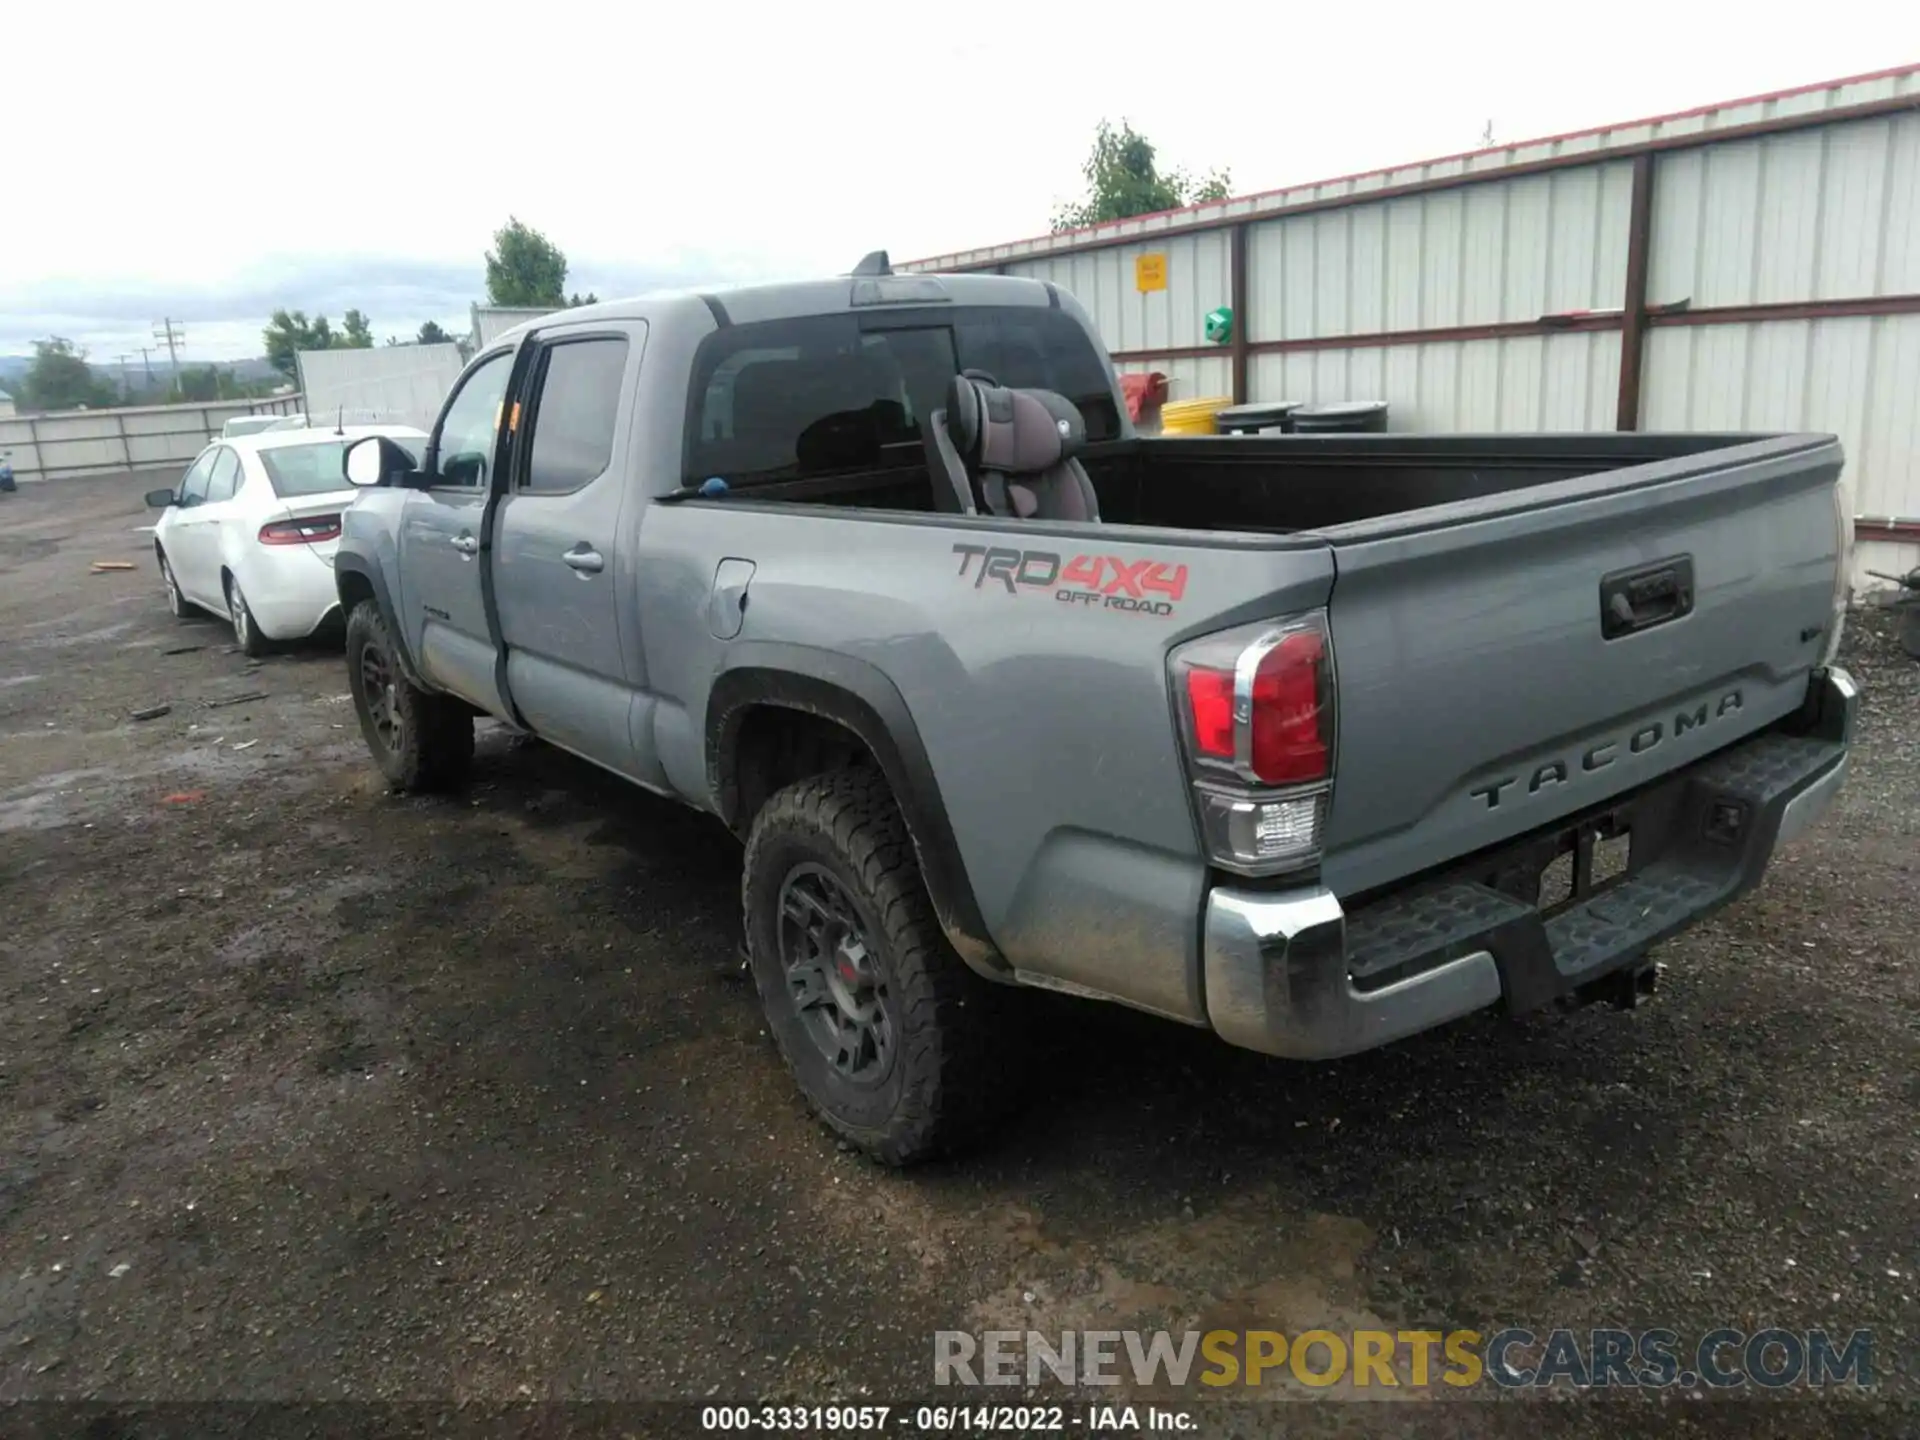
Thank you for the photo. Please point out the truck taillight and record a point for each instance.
(1258, 711)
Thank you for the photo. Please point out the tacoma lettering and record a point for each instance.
(1599, 756)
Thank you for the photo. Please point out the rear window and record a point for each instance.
(820, 394)
(306, 469)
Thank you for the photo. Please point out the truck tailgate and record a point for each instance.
(1506, 662)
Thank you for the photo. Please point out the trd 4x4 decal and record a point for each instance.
(1106, 582)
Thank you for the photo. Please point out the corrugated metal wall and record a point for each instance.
(401, 383)
(1526, 382)
(1815, 215)
(1493, 292)
(490, 322)
(1483, 255)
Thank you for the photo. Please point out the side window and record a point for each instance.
(573, 415)
(193, 487)
(224, 477)
(1042, 350)
(463, 446)
(806, 396)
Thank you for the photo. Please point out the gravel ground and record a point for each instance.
(310, 1092)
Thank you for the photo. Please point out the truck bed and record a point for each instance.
(1284, 483)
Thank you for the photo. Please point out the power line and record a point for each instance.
(173, 337)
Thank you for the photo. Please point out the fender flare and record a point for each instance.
(345, 564)
(861, 698)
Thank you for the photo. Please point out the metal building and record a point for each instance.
(405, 384)
(1751, 265)
(490, 322)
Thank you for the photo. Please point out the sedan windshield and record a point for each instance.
(306, 469)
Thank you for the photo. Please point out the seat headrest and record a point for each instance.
(1017, 432)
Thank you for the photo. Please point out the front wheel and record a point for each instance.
(419, 740)
(884, 1027)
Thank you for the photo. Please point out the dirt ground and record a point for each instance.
(311, 1092)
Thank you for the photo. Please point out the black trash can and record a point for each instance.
(1270, 418)
(1345, 417)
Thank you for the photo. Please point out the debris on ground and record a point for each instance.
(151, 712)
(243, 698)
(247, 744)
(184, 797)
(101, 567)
(183, 650)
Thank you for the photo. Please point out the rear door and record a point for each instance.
(443, 528)
(1501, 664)
(556, 561)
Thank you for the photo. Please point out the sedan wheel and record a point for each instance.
(177, 604)
(246, 631)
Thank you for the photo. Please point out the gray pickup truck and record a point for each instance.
(1314, 741)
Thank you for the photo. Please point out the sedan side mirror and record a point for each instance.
(159, 499)
(376, 460)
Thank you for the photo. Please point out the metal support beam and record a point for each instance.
(1633, 307)
(1242, 309)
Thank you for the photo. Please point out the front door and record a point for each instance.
(442, 531)
(192, 540)
(556, 555)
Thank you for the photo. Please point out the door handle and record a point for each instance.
(1639, 599)
(584, 559)
(466, 544)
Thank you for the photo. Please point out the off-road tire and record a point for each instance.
(938, 1094)
(433, 748)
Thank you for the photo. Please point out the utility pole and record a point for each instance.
(171, 336)
(145, 352)
(121, 361)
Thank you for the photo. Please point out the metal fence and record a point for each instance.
(139, 437)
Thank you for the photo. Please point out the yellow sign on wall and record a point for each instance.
(1150, 272)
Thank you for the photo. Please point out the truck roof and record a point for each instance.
(779, 300)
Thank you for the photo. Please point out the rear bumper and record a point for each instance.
(1293, 973)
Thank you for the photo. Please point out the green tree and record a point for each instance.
(202, 383)
(432, 334)
(525, 268)
(356, 332)
(1124, 179)
(60, 379)
(289, 332)
(576, 299)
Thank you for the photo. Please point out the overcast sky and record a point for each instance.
(212, 162)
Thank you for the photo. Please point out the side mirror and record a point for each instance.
(376, 460)
(159, 499)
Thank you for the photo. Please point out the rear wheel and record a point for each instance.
(420, 741)
(884, 1027)
(246, 631)
(178, 604)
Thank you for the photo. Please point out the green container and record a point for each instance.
(1220, 325)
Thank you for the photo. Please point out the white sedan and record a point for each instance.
(250, 531)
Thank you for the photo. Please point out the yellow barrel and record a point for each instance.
(1192, 417)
